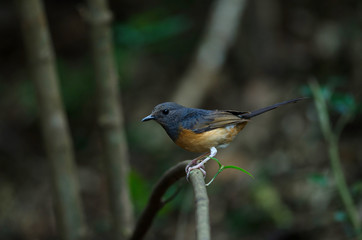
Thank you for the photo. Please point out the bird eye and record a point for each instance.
(165, 111)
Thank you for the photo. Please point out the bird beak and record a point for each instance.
(149, 117)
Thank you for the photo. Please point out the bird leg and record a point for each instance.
(200, 165)
(196, 160)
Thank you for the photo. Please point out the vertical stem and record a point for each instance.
(110, 118)
(202, 205)
(332, 140)
(342, 185)
(55, 130)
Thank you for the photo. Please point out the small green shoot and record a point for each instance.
(347, 107)
(222, 168)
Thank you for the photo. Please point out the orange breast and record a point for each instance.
(202, 142)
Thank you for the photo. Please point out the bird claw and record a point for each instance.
(198, 166)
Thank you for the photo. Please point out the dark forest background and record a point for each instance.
(278, 48)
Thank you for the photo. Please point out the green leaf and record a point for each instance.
(340, 216)
(213, 178)
(218, 162)
(305, 91)
(344, 103)
(240, 169)
(149, 28)
(326, 92)
(140, 190)
(318, 179)
(222, 168)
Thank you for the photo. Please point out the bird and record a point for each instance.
(204, 131)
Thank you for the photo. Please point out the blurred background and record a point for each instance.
(271, 50)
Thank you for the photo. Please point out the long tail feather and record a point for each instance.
(269, 108)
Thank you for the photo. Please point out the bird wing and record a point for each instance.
(217, 119)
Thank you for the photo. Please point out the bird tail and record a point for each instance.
(269, 108)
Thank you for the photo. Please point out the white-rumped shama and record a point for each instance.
(203, 131)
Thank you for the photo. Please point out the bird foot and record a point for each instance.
(194, 164)
(200, 165)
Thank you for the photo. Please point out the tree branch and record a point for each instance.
(110, 118)
(55, 129)
(155, 203)
(202, 205)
